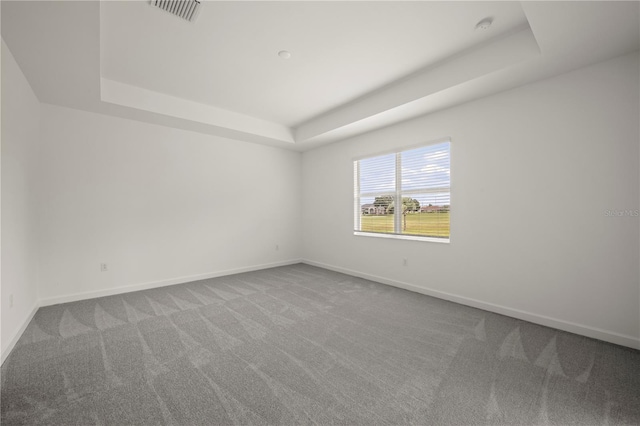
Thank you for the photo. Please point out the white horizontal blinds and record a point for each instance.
(429, 217)
(377, 188)
(378, 175)
(356, 196)
(426, 190)
(426, 169)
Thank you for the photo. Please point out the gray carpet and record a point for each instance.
(303, 345)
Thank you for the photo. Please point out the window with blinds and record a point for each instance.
(405, 194)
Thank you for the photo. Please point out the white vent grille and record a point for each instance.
(185, 9)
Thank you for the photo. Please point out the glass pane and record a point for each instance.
(426, 215)
(378, 174)
(426, 167)
(376, 214)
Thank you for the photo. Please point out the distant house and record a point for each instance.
(434, 209)
(373, 209)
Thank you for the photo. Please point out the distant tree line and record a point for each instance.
(388, 202)
(409, 205)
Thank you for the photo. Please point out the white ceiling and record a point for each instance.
(340, 51)
(355, 66)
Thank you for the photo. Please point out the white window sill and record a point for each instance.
(401, 237)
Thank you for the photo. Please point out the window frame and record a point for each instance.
(398, 193)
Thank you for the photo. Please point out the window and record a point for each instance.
(404, 194)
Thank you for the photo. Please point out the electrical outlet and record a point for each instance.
(11, 300)
(104, 267)
(404, 261)
(277, 247)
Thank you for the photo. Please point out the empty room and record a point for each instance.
(330, 212)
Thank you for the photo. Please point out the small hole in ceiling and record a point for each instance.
(484, 24)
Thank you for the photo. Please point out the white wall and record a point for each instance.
(158, 205)
(20, 130)
(533, 171)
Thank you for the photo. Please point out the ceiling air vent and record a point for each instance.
(185, 9)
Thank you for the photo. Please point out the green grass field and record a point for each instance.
(428, 224)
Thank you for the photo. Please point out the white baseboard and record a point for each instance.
(16, 337)
(155, 284)
(583, 330)
(596, 333)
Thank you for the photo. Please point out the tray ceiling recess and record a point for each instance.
(353, 66)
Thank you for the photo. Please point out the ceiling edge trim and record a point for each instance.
(126, 95)
(467, 66)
